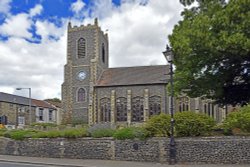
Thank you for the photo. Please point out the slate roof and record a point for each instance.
(142, 75)
(5, 97)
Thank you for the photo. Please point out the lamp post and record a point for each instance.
(172, 150)
(30, 119)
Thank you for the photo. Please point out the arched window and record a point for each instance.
(103, 53)
(154, 105)
(183, 103)
(105, 110)
(81, 48)
(81, 96)
(121, 109)
(209, 108)
(137, 109)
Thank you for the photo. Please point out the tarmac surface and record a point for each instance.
(98, 163)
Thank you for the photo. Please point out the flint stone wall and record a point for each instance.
(213, 150)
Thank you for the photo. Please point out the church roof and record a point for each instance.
(140, 75)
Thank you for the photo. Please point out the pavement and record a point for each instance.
(100, 163)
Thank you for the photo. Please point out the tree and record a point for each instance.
(212, 50)
(53, 100)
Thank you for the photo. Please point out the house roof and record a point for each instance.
(5, 97)
(142, 75)
(55, 103)
(43, 104)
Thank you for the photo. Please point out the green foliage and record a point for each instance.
(53, 100)
(239, 119)
(19, 134)
(44, 125)
(193, 124)
(102, 133)
(131, 133)
(211, 47)
(2, 131)
(158, 125)
(74, 133)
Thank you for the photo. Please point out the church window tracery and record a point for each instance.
(81, 95)
(184, 103)
(121, 109)
(137, 109)
(209, 108)
(154, 105)
(105, 109)
(81, 48)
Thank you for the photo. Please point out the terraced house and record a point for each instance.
(16, 110)
(94, 93)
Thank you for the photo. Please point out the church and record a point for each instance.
(94, 93)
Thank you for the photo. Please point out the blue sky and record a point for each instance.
(33, 37)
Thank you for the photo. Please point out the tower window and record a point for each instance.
(103, 53)
(81, 95)
(81, 48)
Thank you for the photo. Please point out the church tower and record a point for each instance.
(87, 57)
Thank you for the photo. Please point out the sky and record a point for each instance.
(33, 36)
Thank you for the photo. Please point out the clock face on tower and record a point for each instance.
(81, 75)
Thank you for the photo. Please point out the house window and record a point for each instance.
(121, 109)
(81, 48)
(50, 115)
(103, 53)
(137, 109)
(81, 95)
(21, 121)
(105, 110)
(154, 105)
(40, 114)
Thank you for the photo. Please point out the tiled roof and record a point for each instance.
(142, 75)
(41, 103)
(5, 97)
(54, 103)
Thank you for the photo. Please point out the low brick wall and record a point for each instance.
(212, 150)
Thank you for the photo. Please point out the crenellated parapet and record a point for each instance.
(86, 27)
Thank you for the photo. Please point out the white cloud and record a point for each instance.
(5, 6)
(36, 10)
(17, 26)
(138, 29)
(77, 6)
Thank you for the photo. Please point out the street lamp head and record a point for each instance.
(168, 54)
(18, 88)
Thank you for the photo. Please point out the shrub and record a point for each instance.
(238, 120)
(74, 133)
(19, 134)
(131, 133)
(102, 133)
(158, 125)
(193, 124)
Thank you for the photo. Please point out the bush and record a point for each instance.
(131, 133)
(158, 125)
(102, 133)
(238, 120)
(193, 124)
(74, 133)
(19, 134)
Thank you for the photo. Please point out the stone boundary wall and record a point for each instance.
(213, 150)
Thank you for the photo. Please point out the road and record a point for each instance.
(11, 164)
